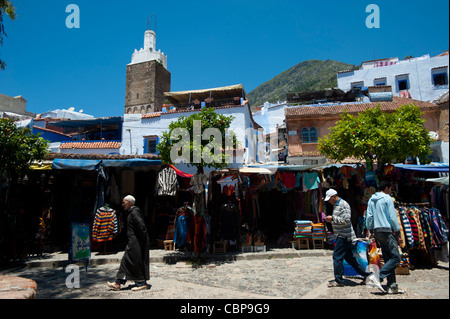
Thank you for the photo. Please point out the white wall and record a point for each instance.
(270, 116)
(420, 77)
(135, 128)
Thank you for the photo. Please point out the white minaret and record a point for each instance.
(150, 40)
(148, 52)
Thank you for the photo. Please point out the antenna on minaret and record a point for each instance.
(149, 22)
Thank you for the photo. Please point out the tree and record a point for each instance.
(5, 7)
(18, 148)
(202, 139)
(389, 137)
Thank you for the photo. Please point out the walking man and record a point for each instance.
(135, 264)
(381, 221)
(345, 235)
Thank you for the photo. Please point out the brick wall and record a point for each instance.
(146, 83)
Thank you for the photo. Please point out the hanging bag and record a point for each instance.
(373, 256)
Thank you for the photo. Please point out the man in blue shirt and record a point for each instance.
(382, 222)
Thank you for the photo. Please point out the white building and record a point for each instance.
(14, 107)
(63, 114)
(271, 117)
(424, 78)
(141, 133)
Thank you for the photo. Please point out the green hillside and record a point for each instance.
(310, 75)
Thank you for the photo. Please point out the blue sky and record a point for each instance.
(208, 43)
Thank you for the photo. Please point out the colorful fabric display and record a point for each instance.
(303, 228)
(404, 260)
(318, 231)
(105, 226)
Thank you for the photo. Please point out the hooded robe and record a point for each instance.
(135, 264)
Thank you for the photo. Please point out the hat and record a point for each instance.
(330, 193)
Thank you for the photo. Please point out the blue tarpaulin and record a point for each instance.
(89, 165)
(424, 168)
(76, 164)
(134, 162)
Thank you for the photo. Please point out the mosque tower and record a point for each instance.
(147, 78)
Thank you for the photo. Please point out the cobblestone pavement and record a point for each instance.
(268, 276)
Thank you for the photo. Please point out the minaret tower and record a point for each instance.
(147, 78)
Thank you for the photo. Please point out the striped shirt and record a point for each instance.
(342, 224)
(105, 226)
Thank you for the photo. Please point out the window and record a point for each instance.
(309, 135)
(357, 85)
(379, 81)
(402, 82)
(150, 143)
(403, 85)
(312, 135)
(439, 76)
(305, 135)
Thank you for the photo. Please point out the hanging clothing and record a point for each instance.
(198, 180)
(197, 233)
(423, 229)
(105, 226)
(346, 172)
(102, 181)
(229, 222)
(166, 182)
(406, 227)
(310, 181)
(182, 221)
(288, 179)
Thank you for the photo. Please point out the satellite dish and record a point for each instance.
(71, 109)
(81, 111)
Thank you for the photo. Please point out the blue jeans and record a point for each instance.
(391, 255)
(344, 250)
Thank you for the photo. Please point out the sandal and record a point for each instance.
(334, 283)
(113, 285)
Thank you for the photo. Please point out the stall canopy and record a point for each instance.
(183, 97)
(85, 164)
(436, 168)
(133, 162)
(272, 169)
(441, 180)
(181, 173)
(76, 164)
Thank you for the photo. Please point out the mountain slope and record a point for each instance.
(310, 75)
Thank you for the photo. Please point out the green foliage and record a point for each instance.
(390, 136)
(18, 148)
(5, 7)
(209, 119)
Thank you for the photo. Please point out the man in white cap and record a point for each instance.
(345, 235)
(135, 264)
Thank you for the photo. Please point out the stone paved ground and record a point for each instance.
(260, 278)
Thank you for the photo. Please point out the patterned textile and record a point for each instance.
(303, 229)
(166, 182)
(105, 226)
